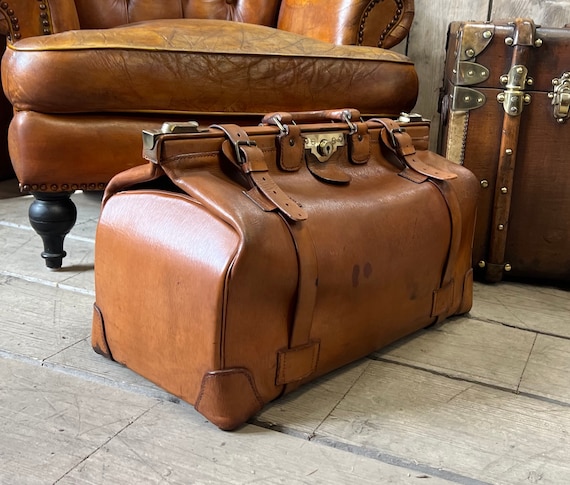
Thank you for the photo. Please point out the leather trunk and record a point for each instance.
(241, 263)
(504, 112)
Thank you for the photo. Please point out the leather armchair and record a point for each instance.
(84, 78)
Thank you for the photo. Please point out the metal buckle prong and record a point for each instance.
(392, 136)
(238, 151)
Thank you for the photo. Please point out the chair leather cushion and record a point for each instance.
(197, 66)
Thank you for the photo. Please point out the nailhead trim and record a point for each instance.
(63, 187)
(44, 19)
(389, 27)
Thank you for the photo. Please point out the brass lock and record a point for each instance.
(561, 97)
(323, 145)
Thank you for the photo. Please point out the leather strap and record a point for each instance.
(401, 144)
(416, 170)
(299, 359)
(525, 32)
(444, 297)
(245, 155)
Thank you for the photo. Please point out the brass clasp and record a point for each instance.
(561, 97)
(323, 145)
(514, 98)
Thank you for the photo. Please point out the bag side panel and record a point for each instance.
(160, 266)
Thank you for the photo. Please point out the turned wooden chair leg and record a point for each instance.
(52, 215)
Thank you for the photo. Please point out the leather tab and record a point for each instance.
(297, 363)
(228, 398)
(326, 171)
(291, 149)
(443, 300)
(359, 144)
(98, 337)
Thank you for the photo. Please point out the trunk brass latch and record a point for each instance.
(561, 97)
(514, 97)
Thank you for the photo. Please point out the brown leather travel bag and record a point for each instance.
(241, 262)
(504, 115)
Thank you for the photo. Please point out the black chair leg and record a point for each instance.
(52, 215)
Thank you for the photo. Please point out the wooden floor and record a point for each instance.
(483, 398)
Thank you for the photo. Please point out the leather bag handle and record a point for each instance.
(283, 117)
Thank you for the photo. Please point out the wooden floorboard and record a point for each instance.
(543, 309)
(473, 431)
(481, 398)
(466, 348)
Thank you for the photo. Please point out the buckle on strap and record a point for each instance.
(392, 136)
(240, 156)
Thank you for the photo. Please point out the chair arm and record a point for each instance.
(28, 18)
(380, 23)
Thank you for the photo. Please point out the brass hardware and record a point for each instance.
(481, 264)
(465, 99)
(501, 227)
(485, 184)
(538, 43)
(509, 41)
(508, 267)
(409, 117)
(150, 137)
(504, 79)
(561, 97)
(514, 98)
(509, 151)
(183, 127)
(475, 37)
(530, 81)
(469, 73)
(504, 190)
(323, 145)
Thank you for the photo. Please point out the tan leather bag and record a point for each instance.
(243, 262)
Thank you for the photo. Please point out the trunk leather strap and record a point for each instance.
(525, 32)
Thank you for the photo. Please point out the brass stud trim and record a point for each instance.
(389, 27)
